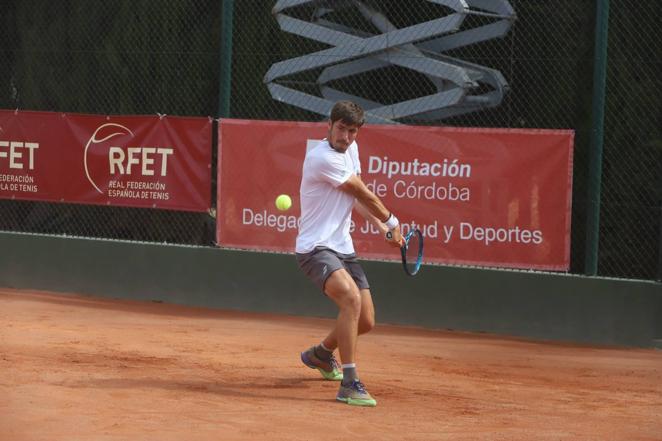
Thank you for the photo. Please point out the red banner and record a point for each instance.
(137, 161)
(495, 197)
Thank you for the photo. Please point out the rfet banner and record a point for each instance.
(494, 197)
(138, 161)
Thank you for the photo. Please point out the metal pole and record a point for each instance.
(225, 81)
(659, 257)
(597, 137)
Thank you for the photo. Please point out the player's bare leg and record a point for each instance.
(321, 356)
(324, 351)
(366, 321)
(341, 288)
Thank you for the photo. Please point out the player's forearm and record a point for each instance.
(355, 186)
(373, 206)
(363, 211)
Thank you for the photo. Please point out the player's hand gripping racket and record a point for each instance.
(412, 251)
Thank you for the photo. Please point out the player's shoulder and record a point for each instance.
(317, 146)
(322, 151)
(324, 157)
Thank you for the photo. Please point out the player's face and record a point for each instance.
(342, 135)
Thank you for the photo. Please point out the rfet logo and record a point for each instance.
(110, 153)
(18, 154)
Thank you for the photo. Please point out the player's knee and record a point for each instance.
(366, 324)
(344, 292)
(351, 300)
(337, 287)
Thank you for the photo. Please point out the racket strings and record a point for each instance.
(412, 253)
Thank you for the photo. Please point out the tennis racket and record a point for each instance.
(412, 251)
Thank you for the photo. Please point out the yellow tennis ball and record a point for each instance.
(283, 202)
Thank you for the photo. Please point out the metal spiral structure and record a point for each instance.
(460, 87)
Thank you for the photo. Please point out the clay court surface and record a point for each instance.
(86, 368)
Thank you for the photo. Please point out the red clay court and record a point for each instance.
(85, 368)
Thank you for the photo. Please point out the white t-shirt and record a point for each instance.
(326, 211)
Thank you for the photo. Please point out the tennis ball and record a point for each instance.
(283, 202)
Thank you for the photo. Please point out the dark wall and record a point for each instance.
(527, 304)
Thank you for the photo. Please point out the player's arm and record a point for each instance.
(363, 211)
(373, 205)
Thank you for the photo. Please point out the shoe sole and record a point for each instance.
(329, 376)
(358, 402)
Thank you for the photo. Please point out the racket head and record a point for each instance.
(412, 252)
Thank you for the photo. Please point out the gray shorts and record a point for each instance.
(321, 262)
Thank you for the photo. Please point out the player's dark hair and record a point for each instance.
(348, 112)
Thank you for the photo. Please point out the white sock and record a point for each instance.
(349, 373)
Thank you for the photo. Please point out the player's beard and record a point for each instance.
(333, 143)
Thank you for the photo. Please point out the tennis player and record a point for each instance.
(331, 187)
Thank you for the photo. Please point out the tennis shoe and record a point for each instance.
(355, 394)
(330, 369)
